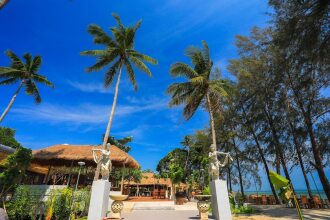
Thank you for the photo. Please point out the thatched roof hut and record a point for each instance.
(150, 179)
(65, 155)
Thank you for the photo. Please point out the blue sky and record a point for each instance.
(77, 110)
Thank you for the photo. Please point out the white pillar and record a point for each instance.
(98, 206)
(220, 200)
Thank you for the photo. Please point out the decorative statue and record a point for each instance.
(103, 161)
(215, 164)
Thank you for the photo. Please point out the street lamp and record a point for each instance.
(202, 180)
(81, 164)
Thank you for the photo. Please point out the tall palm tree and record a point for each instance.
(3, 3)
(24, 72)
(201, 87)
(119, 52)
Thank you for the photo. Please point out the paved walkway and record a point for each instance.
(169, 211)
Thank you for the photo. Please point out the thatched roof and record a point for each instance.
(150, 179)
(65, 155)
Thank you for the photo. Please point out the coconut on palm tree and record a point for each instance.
(118, 53)
(203, 86)
(26, 73)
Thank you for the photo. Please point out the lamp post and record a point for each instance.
(202, 180)
(81, 164)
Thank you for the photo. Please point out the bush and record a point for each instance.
(243, 210)
(207, 191)
(61, 204)
(81, 202)
(25, 204)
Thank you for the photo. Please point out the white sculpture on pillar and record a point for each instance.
(215, 164)
(98, 207)
(104, 161)
(220, 201)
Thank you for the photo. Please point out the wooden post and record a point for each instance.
(47, 176)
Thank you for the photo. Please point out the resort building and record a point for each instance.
(149, 186)
(60, 164)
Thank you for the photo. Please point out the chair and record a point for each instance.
(162, 193)
(326, 204)
(264, 200)
(155, 194)
(316, 202)
(304, 202)
(272, 200)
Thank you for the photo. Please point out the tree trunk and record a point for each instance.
(214, 140)
(296, 144)
(278, 146)
(229, 179)
(262, 156)
(239, 169)
(316, 151)
(107, 132)
(318, 159)
(3, 3)
(11, 101)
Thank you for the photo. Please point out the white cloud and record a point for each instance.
(90, 87)
(92, 114)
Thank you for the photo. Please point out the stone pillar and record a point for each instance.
(219, 200)
(98, 206)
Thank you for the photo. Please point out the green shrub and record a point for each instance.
(25, 204)
(62, 204)
(243, 210)
(207, 191)
(81, 202)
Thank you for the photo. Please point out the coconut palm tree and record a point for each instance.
(202, 88)
(3, 3)
(119, 52)
(24, 72)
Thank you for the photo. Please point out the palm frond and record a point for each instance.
(192, 105)
(31, 89)
(36, 63)
(118, 20)
(140, 65)
(199, 80)
(9, 81)
(130, 73)
(98, 65)
(182, 69)
(94, 52)
(28, 60)
(110, 74)
(42, 79)
(16, 61)
(206, 52)
(142, 57)
(100, 36)
(8, 71)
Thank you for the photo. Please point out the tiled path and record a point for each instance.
(169, 211)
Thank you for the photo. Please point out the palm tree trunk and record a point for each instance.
(214, 140)
(11, 101)
(3, 3)
(107, 132)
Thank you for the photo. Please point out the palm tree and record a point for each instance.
(3, 3)
(118, 52)
(25, 73)
(201, 89)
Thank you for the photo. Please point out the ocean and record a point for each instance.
(298, 192)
